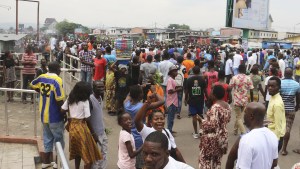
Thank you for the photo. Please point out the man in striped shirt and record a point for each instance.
(28, 61)
(290, 89)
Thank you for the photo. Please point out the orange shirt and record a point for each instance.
(188, 65)
(160, 92)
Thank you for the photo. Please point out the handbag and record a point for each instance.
(173, 150)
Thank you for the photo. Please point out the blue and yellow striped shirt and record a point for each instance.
(51, 91)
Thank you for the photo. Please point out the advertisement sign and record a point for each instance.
(250, 14)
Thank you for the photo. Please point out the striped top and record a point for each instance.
(29, 62)
(289, 88)
(51, 91)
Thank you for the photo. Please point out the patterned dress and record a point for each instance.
(110, 87)
(214, 140)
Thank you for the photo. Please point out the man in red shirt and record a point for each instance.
(100, 64)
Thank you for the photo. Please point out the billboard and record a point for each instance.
(249, 14)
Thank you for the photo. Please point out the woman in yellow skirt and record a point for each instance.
(82, 145)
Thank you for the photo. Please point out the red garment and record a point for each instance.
(225, 86)
(212, 77)
(99, 68)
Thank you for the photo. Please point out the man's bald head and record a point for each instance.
(258, 110)
(288, 73)
(254, 115)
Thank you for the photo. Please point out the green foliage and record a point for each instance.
(178, 26)
(66, 27)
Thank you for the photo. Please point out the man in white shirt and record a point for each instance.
(281, 63)
(156, 154)
(258, 148)
(254, 55)
(251, 62)
(237, 60)
(164, 67)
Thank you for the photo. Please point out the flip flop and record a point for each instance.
(296, 151)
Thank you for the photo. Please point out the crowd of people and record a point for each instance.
(147, 93)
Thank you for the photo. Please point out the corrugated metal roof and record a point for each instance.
(11, 37)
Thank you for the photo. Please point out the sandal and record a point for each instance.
(178, 116)
(284, 153)
(296, 151)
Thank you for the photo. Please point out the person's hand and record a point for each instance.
(95, 138)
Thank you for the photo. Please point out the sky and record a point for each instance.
(198, 14)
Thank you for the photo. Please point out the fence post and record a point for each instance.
(34, 111)
(6, 113)
(71, 67)
(63, 75)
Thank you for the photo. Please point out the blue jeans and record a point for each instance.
(172, 110)
(180, 95)
(53, 132)
(86, 76)
(235, 71)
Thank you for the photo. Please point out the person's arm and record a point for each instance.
(278, 116)
(138, 120)
(113, 68)
(251, 95)
(261, 90)
(87, 63)
(233, 154)
(132, 153)
(160, 101)
(186, 99)
(229, 95)
(179, 156)
(274, 164)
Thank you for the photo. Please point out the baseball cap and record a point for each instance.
(174, 67)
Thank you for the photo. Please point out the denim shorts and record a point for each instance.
(196, 109)
(52, 133)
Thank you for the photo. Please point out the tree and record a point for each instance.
(177, 26)
(66, 27)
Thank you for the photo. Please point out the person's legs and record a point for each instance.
(77, 162)
(12, 85)
(103, 142)
(290, 116)
(8, 93)
(25, 84)
(89, 77)
(171, 115)
(180, 95)
(239, 120)
(30, 79)
(57, 130)
(235, 71)
(297, 78)
(280, 143)
(83, 76)
(48, 143)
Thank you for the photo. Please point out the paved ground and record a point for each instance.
(17, 156)
(21, 124)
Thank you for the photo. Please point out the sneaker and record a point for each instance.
(44, 166)
(54, 165)
(195, 136)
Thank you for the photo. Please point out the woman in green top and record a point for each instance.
(256, 80)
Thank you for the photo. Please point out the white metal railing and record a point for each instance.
(71, 67)
(61, 160)
(6, 112)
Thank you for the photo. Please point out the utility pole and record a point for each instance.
(155, 31)
(17, 13)
(38, 17)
